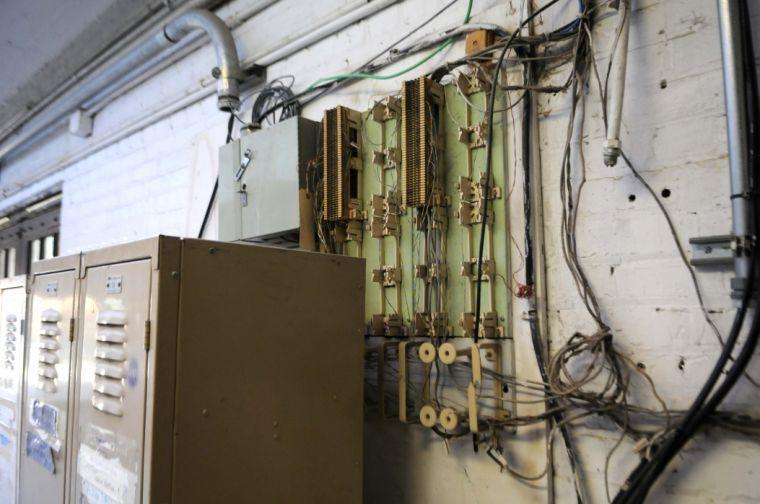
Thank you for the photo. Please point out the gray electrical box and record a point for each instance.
(259, 181)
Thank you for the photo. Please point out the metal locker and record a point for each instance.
(12, 317)
(114, 315)
(50, 360)
(206, 366)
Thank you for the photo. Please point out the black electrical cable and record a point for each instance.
(485, 198)
(641, 480)
(212, 198)
(558, 417)
(275, 93)
(635, 490)
(489, 158)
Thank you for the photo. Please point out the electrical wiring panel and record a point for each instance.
(422, 194)
(423, 189)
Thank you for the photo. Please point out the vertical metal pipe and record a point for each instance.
(736, 130)
(617, 86)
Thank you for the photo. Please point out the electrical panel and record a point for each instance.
(418, 219)
(50, 362)
(203, 370)
(263, 170)
(13, 318)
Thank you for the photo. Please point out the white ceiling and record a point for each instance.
(42, 42)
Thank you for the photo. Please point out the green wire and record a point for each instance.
(424, 60)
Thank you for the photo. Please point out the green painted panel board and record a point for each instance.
(380, 142)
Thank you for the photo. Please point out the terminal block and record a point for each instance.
(385, 216)
(388, 276)
(341, 164)
(422, 139)
(471, 201)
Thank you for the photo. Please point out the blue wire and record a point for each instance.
(577, 20)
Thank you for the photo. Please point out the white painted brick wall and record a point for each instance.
(158, 181)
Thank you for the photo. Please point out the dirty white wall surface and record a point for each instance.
(158, 180)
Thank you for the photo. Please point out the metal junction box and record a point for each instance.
(50, 362)
(259, 179)
(206, 372)
(12, 316)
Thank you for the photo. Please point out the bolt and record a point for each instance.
(175, 274)
(204, 412)
(275, 423)
(213, 250)
(275, 437)
(216, 72)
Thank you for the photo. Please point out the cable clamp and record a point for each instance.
(743, 245)
(746, 195)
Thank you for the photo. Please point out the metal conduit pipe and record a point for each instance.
(736, 129)
(166, 58)
(296, 43)
(617, 86)
(227, 71)
(135, 36)
(173, 32)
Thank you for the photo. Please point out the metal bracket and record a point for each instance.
(712, 251)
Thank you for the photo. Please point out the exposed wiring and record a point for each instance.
(362, 75)
(639, 483)
(276, 94)
(306, 97)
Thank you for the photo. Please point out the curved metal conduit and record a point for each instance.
(227, 72)
(110, 90)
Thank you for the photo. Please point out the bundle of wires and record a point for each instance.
(558, 377)
(331, 84)
(639, 483)
(568, 394)
(277, 94)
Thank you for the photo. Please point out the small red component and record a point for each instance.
(524, 291)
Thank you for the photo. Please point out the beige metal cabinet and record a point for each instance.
(218, 372)
(12, 317)
(50, 360)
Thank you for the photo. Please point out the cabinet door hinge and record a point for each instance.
(71, 329)
(146, 341)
